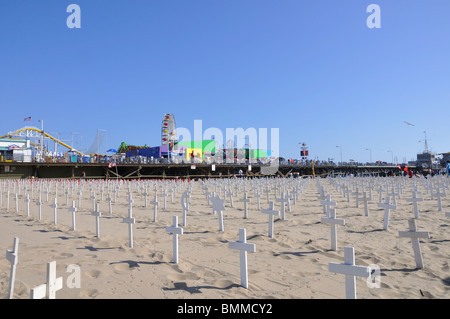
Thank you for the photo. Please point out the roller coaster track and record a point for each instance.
(28, 132)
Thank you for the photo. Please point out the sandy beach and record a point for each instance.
(294, 264)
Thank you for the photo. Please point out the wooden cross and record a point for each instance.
(145, 194)
(366, 200)
(96, 212)
(271, 212)
(175, 230)
(218, 207)
(415, 235)
(16, 199)
(288, 198)
(39, 203)
(164, 194)
(80, 195)
(333, 221)
(230, 194)
(327, 203)
(349, 269)
(356, 193)
(245, 200)
(282, 200)
(439, 196)
(12, 257)
(387, 208)
(243, 248)
(55, 210)
(155, 207)
(66, 192)
(109, 200)
(93, 200)
(27, 201)
(51, 286)
(415, 200)
(130, 221)
(73, 210)
(7, 200)
(184, 207)
(258, 198)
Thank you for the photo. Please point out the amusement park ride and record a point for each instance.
(33, 133)
(36, 137)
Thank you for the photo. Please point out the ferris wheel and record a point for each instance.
(168, 130)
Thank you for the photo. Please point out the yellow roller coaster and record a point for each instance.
(31, 132)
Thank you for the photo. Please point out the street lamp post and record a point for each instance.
(341, 152)
(392, 153)
(370, 150)
(42, 136)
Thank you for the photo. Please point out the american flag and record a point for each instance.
(27, 118)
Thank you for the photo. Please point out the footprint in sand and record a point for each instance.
(90, 293)
(223, 283)
(93, 273)
(182, 277)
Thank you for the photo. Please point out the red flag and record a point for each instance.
(27, 118)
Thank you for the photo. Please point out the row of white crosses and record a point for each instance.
(330, 214)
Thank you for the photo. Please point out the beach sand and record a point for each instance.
(291, 265)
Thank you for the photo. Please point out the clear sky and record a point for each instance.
(313, 69)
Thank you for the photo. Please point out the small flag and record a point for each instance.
(27, 118)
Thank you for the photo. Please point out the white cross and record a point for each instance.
(349, 269)
(39, 203)
(27, 201)
(130, 221)
(333, 221)
(175, 230)
(184, 207)
(51, 286)
(109, 200)
(7, 200)
(66, 192)
(96, 212)
(387, 207)
(73, 210)
(164, 194)
(365, 199)
(288, 198)
(439, 196)
(415, 235)
(218, 207)
(245, 200)
(243, 248)
(271, 212)
(258, 197)
(155, 207)
(327, 203)
(55, 212)
(357, 193)
(16, 199)
(145, 194)
(415, 200)
(93, 200)
(12, 257)
(282, 200)
(80, 195)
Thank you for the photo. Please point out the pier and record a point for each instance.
(170, 171)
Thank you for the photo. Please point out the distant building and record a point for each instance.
(16, 150)
(445, 158)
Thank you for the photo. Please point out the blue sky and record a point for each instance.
(313, 69)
